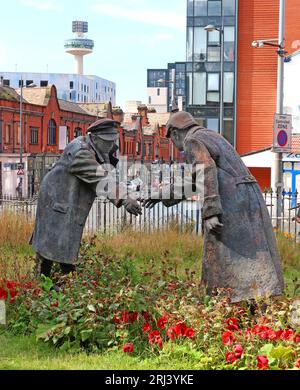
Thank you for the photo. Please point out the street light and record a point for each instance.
(280, 44)
(212, 28)
(21, 167)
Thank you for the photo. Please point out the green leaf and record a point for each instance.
(91, 308)
(282, 353)
(266, 350)
(86, 334)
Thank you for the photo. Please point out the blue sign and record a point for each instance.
(282, 138)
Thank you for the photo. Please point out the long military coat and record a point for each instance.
(244, 258)
(65, 199)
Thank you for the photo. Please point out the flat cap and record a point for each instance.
(106, 129)
(180, 120)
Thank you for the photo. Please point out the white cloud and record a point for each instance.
(46, 5)
(134, 10)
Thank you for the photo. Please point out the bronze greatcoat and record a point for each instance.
(244, 258)
(65, 199)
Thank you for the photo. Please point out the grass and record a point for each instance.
(182, 250)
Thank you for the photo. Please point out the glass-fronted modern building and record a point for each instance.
(72, 87)
(204, 63)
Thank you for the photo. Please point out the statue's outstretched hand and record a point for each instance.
(132, 207)
(214, 225)
(151, 202)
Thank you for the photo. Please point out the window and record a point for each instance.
(190, 88)
(21, 83)
(51, 132)
(229, 130)
(29, 82)
(213, 82)
(214, 8)
(213, 97)
(229, 46)
(213, 54)
(213, 124)
(229, 7)
(44, 83)
(200, 8)
(228, 87)
(199, 90)
(214, 37)
(71, 84)
(6, 83)
(7, 138)
(78, 132)
(200, 38)
(18, 135)
(158, 91)
(34, 135)
(190, 40)
(190, 8)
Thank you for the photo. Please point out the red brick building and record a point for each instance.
(49, 124)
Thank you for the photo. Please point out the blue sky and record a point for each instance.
(130, 36)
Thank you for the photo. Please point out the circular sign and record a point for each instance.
(282, 138)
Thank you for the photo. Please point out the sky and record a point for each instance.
(130, 37)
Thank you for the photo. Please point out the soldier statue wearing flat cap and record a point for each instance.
(68, 191)
(240, 249)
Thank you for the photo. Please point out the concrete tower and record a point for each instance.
(80, 45)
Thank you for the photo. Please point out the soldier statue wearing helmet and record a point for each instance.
(240, 250)
(68, 191)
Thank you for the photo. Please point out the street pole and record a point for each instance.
(21, 137)
(222, 78)
(280, 103)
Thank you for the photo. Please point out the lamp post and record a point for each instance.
(212, 28)
(280, 44)
(21, 166)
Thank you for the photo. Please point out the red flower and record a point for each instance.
(189, 333)
(262, 362)
(3, 293)
(128, 348)
(287, 334)
(162, 322)
(228, 338)
(238, 351)
(230, 358)
(132, 317)
(147, 328)
(272, 335)
(232, 324)
(171, 333)
(146, 316)
(125, 317)
(296, 338)
(155, 338)
(180, 329)
(297, 364)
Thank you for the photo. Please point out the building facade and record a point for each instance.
(72, 87)
(49, 124)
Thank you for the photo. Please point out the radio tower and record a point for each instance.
(80, 45)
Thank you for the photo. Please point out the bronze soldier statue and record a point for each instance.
(240, 249)
(67, 194)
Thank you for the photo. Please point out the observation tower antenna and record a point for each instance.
(80, 45)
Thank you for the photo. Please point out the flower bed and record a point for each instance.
(112, 304)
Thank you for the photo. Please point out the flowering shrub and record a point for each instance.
(111, 304)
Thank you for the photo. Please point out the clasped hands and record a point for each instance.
(212, 224)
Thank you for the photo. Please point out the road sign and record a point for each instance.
(20, 172)
(282, 133)
(21, 166)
